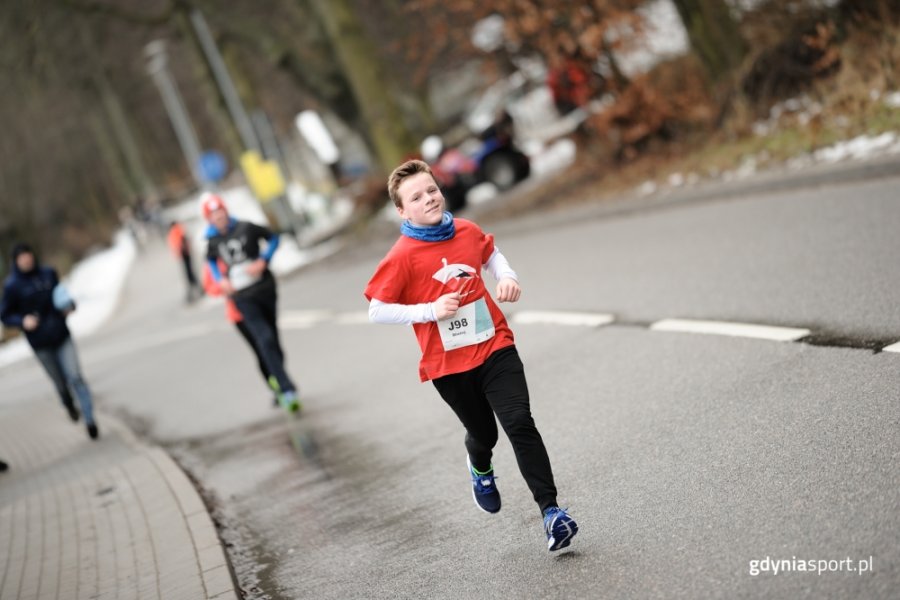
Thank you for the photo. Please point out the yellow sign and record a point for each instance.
(264, 176)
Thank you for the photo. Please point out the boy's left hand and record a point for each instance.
(508, 290)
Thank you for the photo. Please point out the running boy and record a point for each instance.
(431, 278)
(248, 281)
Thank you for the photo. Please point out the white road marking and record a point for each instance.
(303, 319)
(360, 317)
(892, 348)
(765, 332)
(531, 317)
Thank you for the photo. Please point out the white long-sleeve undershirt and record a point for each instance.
(407, 314)
(498, 266)
(401, 314)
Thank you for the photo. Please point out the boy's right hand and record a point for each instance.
(446, 305)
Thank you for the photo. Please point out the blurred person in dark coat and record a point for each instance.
(35, 302)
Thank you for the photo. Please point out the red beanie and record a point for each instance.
(210, 202)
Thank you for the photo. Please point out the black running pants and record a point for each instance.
(498, 387)
(259, 312)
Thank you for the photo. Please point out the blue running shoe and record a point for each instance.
(484, 489)
(559, 527)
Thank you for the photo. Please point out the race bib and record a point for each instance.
(472, 324)
(239, 277)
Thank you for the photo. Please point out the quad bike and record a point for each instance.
(492, 158)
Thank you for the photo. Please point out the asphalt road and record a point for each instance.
(684, 457)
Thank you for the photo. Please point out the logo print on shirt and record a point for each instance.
(454, 271)
(232, 251)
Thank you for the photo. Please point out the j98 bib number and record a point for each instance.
(472, 324)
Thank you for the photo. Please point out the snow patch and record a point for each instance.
(892, 100)
(859, 147)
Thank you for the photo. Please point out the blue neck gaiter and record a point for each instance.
(435, 233)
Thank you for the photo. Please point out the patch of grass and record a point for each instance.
(883, 118)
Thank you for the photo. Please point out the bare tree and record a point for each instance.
(368, 79)
(714, 35)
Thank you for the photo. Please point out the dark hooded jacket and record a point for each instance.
(31, 293)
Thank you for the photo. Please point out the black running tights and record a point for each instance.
(498, 387)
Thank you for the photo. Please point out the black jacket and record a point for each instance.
(32, 294)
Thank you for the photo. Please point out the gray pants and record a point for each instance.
(61, 364)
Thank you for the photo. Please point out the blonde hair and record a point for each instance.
(401, 174)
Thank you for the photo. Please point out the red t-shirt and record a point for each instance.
(414, 272)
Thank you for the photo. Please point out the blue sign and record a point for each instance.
(213, 166)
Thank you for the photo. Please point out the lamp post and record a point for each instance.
(225, 83)
(157, 66)
(260, 163)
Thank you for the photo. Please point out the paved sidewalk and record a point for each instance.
(108, 519)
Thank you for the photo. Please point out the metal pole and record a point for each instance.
(181, 123)
(267, 139)
(226, 85)
(272, 151)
